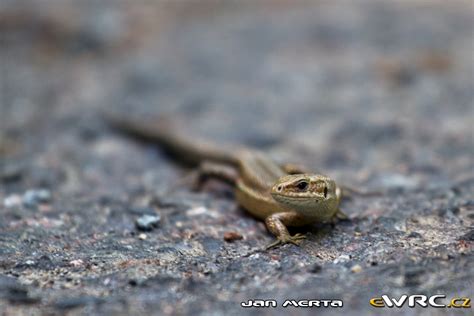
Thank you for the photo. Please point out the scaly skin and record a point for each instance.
(282, 196)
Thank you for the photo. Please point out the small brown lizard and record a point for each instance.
(281, 195)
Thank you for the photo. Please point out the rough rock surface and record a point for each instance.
(377, 95)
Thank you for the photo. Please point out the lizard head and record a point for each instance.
(311, 195)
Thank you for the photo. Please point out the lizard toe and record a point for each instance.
(273, 244)
(295, 240)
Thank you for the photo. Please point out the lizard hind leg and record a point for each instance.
(209, 170)
(206, 170)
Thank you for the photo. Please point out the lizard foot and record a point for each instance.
(295, 240)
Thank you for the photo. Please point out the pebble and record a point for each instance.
(76, 263)
(30, 198)
(315, 268)
(342, 258)
(197, 211)
(34, 197)
(232, 236)
(147, 222)
(356, 268)
(13, 200)
(142, 236)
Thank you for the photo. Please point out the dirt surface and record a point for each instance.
(377, 95)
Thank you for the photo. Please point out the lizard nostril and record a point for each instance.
(279, 188)
(325, 192)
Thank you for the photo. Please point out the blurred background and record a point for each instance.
(355, 78)
(375, 94)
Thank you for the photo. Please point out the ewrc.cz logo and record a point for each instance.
(420, 300)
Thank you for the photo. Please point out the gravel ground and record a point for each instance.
(377, 95)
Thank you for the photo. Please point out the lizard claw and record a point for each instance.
(295, 240)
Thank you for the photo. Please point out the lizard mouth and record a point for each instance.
(296, 197)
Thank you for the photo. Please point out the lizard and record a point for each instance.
(281, 195)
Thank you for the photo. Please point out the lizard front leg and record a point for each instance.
(276, 224)
(339, 215)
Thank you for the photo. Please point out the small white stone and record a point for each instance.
(12, 201)
(342, 258)
(76, 263)
(196, 211)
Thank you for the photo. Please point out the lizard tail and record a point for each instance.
(162, 132)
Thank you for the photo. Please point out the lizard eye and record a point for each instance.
(302, 185)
